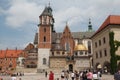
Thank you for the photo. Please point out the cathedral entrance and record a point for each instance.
(70, 67)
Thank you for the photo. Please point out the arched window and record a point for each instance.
(44, 29)
(44, 39)
(89, 47)
(67, 46)
(44, 61)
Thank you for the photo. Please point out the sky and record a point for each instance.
(19, 18)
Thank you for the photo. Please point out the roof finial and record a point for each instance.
(89, 20)
(49, 3)
(66, 22)
(89, 25)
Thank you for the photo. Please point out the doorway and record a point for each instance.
(71, 67)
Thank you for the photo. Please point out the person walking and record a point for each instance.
(89, 75)
(84, 76)
(117, 75)
(62, 75)
(99, 75)
(51, 76)
(13, 77)
(72, 75)
(46, 73)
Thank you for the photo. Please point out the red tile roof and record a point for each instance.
(112, 19)
(10, 53)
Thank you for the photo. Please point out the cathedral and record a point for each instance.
(62, 50)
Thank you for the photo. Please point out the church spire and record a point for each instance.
(89, 26)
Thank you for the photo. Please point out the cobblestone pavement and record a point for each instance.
(41, 76)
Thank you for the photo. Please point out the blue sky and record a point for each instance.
(19, 18)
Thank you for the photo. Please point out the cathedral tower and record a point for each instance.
(45, 38)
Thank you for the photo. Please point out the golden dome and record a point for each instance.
(80, 47)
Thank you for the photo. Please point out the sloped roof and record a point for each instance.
(47, 11)
(57, 47)
(10, 53)
(79, 35)
(29, 47)
(36, 39)
(111, 20)
(82, 35)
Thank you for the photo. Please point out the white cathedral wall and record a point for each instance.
(43, 53)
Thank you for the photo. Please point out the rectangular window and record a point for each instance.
(100, 54)
(95, 44)
(96, 55)
(104, 40)
(105, 52)
(99, 42)
(44, 29)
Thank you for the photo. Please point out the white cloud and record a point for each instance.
(1, 11)
(68, 15)
(25, 15)
(22, 12)
(27, 11)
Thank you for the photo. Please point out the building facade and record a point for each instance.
(100, 40)
(9, 60)
(31, 58)
(58, 50)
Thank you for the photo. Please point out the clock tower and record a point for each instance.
(46, 28)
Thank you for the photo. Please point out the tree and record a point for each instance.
(113, 48)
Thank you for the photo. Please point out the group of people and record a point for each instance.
(117, 75)
(81, 75)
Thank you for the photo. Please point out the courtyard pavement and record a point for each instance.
(41, 76)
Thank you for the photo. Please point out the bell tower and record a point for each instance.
(46, 28)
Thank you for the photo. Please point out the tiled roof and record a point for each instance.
(82, 35)
(36, 39)
(10, 53)
(79, 35)
(29, 47)
(111, 20)
(47, 11)
(57, 47)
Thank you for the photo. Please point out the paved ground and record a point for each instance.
(41, 76)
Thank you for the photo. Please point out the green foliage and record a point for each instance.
(113, 59)
(113, 48)
(118, 57)
(117, 44)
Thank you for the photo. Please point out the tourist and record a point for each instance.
(72, 75)
(46, 73)
(117, 75)
(51, 76)
(13, 77)
(62, 75)
(95, 75)
(99, 75)
(1, 78)
(84, 76)
(66, 75)
(89, 75)
(80, 73)
(76, 75)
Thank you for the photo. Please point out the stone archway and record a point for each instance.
(106, 67)
(98, 66)
(70, 67)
